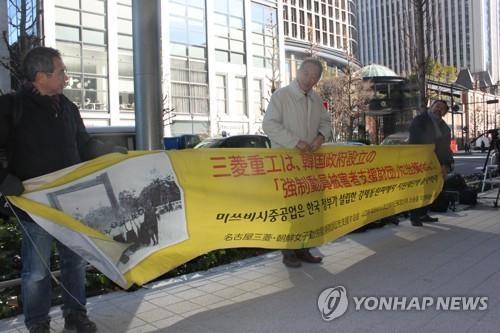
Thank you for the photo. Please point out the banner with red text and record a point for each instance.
(137, 216)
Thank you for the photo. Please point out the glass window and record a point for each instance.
(258, 97)
(67, 16)
(178, 29)
(75, 81)
(188, 45)
(68, 3)
(95, 60)
(178, 49)
(221, 56)
(237, 8)
(196, 13)
(258, 62)
(94, 6)
(125, 26)
(221, 6)
(220, 19)
(197, 52)
(93, 37)
(125, 65)
(95, 100)
(71, 55)
(125, 42)
(222, 43)
(221, 30)
(177, 9)
(67, 33)
(126, 95)
(124, 12)
(237, 58)
(240, 96)
(198, 77)
(93, 21)
(236, 22)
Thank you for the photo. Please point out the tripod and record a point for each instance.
(494, 145)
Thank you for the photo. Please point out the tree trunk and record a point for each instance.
(419, 6)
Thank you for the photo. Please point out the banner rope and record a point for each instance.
(37, 250)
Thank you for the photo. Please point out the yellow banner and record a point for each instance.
(140, 215)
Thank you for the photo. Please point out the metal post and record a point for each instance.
(452, 116)
(146, 24)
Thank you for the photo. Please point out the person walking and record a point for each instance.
(296, 118)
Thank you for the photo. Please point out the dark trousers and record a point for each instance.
(416, 214)
(288, 253)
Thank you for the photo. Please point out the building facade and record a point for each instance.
(221, 59)
(462, 33)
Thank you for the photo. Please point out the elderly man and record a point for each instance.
(296, 118)
(429, 128)
(43, 132)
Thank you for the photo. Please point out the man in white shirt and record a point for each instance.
(296, 118)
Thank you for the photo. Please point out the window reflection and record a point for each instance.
(188, 50)
(83, 47)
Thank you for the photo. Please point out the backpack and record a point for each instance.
(468, 196)
(442, 202)
(454, 182)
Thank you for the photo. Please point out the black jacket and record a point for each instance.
(422, 131)
(43, 134)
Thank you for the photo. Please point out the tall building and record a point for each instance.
(220, 58)
(325, 28)
(462, 33)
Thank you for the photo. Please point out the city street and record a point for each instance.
(467, 164)
(453, 264)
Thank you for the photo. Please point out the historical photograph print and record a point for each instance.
(137, 202)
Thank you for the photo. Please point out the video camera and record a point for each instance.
(494, 133)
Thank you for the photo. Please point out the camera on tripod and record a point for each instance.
(493, 132)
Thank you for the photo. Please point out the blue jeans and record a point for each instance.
(35, 278)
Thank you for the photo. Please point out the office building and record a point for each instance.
(462, 33)
(220, 58)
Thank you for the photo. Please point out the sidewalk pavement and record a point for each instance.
(459, 256)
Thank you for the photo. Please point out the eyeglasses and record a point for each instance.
(61, 73)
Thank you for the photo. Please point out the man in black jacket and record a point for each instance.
(42, 132)
(429, 128)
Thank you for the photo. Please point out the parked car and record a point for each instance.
(344, 143)
(117, 135)
(399, 138)
(236, 141)
(183, 141)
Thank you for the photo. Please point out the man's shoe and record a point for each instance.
(306, 256)
(41, 327)
(291, 261)
(79, 322)
(416, 223)
(428, 219)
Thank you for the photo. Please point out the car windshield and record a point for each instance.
(208, 143)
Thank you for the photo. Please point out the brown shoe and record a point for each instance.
(428, 219)
(291, 261)
(416, 223)
(306, 256)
